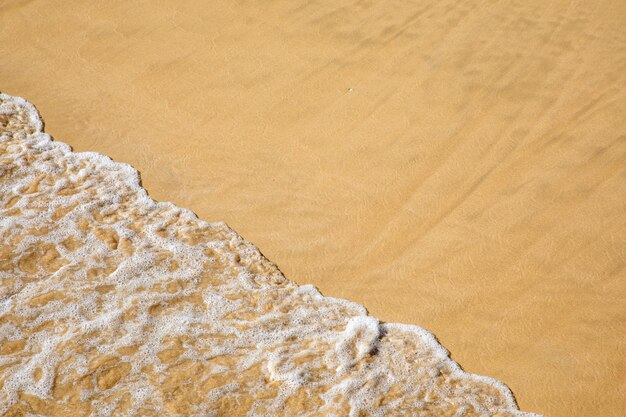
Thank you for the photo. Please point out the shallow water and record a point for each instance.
(114, 304)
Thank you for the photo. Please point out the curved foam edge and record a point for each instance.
(308, 289)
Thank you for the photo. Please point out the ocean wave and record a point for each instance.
(114, 304)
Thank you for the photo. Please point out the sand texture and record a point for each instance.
(457, 165)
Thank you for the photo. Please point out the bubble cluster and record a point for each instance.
(112, 304)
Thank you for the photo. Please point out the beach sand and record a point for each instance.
(455, 165)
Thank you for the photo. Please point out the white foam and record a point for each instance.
(157, 295)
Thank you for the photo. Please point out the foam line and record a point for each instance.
(112, 303)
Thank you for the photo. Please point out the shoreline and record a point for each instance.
(462, 170)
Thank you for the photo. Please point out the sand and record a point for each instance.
(454, 165)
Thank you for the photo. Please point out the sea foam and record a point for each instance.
(113, 304)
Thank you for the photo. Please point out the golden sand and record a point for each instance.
(455, 165)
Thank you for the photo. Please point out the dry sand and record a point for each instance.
(456, 165)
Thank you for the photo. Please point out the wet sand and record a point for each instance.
(454, 165)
